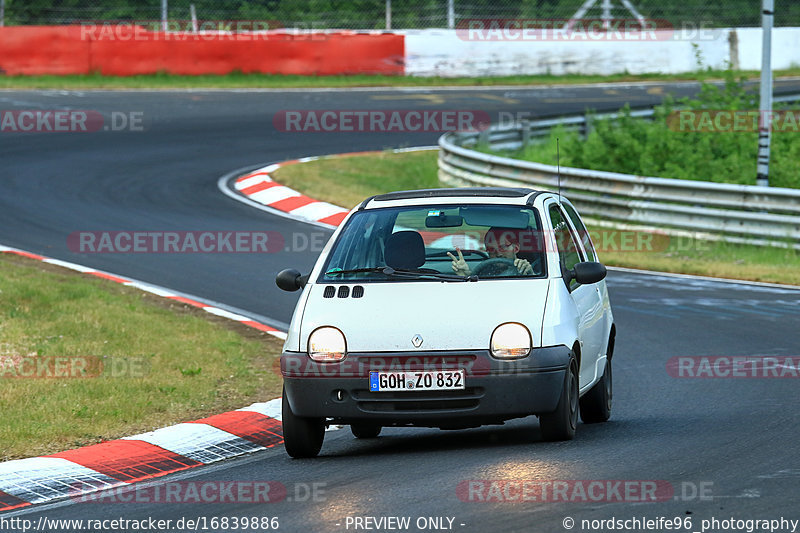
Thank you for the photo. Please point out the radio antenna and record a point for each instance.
(558, 169)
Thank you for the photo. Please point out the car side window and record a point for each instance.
(583, 233)
(568, 252)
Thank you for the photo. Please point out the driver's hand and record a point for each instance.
(524, 267)
(460, 266)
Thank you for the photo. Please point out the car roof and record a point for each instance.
(462, 195)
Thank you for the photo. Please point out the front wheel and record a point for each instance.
(596, 404)
(561, 423)
(302, 437)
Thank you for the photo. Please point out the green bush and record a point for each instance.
(634, 146)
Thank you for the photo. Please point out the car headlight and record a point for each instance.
(510, 341)
(327, 344)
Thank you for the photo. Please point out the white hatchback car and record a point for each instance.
(449, 308)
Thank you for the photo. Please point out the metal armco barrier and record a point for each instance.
(734, 213)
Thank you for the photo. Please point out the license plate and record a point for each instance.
(414, 381)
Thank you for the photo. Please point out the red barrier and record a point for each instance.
(36, 50)
(79, 50)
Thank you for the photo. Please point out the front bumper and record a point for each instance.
(494, 390)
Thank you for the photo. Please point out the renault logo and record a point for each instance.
(416, 340)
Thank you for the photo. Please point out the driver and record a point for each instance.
(500, 243)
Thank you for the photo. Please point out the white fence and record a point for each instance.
(458, 53)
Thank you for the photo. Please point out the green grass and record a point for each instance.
(150, 362)
(631, 146)
(239, 80)
(347, 180)
(663, 148)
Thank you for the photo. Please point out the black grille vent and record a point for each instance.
(418, 402)
(343, 292)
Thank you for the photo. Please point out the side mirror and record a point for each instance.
(588, 272)
(290, 280)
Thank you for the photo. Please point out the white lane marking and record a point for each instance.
(149, 288)
(226, 314)
(746, 493)
(274, 194)
(222, 185)
(271, 408)
(252, 180)
(705, 278)
(317, 210)
(780, 474)
(415, 149)
(38, 479)
(65, 264)
(198, 441)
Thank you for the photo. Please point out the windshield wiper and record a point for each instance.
(354, 270)
(389, 271)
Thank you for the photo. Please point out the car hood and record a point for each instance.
(447, 316)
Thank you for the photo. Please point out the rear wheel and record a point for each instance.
(561, 423)
(596, 404)
(365, 431)
(302, 437)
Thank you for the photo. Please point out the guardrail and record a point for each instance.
(735, 213)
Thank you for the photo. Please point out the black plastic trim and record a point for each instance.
(496, 192)
(533, 197)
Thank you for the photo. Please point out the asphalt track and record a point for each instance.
(733, 439)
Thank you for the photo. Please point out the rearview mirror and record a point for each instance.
(589, 272)
(290, 280)
(443, 221)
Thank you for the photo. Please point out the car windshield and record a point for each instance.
(437, 243)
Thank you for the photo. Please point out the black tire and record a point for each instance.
(561, 423)
(302, 437)
(365, 430)
(596, 404)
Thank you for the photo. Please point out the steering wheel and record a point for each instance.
(464, 251)
(497, 266)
